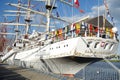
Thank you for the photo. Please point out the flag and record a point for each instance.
(96, 29)
(77, 26)
(108, 13)
(111, 33)
(112, 19)
(107, 9)
(83, 25)
(81, 11)
(90, 27)
(57, 14)
(60, 31)
(76, 2)
(107, 30)
(106, 6)
(67, 29)
(56, 33)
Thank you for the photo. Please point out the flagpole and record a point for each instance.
(98, 34)
(72, 20)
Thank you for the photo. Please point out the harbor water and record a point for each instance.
(99, 71)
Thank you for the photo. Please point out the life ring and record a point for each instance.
(102, 44)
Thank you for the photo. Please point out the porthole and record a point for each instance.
(96, 45)
(67, 45)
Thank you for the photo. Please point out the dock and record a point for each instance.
(8, 72)
(96, 71)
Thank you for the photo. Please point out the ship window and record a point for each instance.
(67, 45)
(111, 46)
(51, 48)
(44, 50)
(105, 45)
(42, 43)
(96, 45)
(58, 47)
(88, 45)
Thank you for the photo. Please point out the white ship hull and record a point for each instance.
(66, 65)
(64, 57)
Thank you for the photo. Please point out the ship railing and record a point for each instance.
(83, 33)
(51, 37)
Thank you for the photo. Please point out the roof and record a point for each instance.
(94, 21)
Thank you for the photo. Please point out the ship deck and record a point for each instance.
(8, 72)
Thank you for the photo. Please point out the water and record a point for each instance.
(99, 71)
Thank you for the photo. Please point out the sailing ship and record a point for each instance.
(4, 41)
(65, 50)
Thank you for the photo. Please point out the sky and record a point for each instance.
(90, 7)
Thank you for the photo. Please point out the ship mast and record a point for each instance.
(27, 20)
(98, 34)
(49, 6)
(17, 20)
(48, 15)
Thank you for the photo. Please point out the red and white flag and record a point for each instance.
(76, 2)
